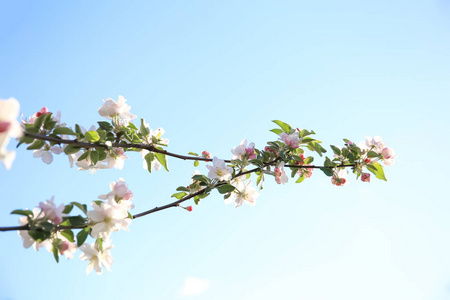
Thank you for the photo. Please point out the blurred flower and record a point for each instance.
(51, 212)
(280, 174)
(97, 258)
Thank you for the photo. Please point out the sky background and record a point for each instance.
(212, 73)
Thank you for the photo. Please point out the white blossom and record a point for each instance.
(219, 170)
(51, 212)
(97, 258)
(107, 217)
(46, 153)
(243, 193)
(119, 109)
(28, 241)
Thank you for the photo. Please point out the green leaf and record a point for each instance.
(182, 189)
(67, 209)
(336, 150)
(101, 154)
(301, 178)
(286, 127)
(49, 125)
(276, 131)
(78, 130)
(105, 126)
(82, 207)
(82, 236)
(83, 156)
(377, 170)
(102, 134)
(39, 235)
(71, 149)
(149, 157)
(329, 172)
(55, 254)
(162, 159)
(203, 195)
(309, 160)
(196, 163)
(64, 130)
(193, 153)
(226, 188)
(23, 212)
(132, 126)
(372, 154)
(39, 121)
(201, 178)
(143, 129)
(25, 139)
(179, 195)
(68, 234)
(46, 226)
(94, 157)
(92, 136)
(37, 144)
(196, 200)
(76, 221)
(260, 177)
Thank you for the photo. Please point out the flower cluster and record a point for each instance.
(105, 147)
(102, 155)
(49, 226)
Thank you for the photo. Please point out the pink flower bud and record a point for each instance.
(43, 111)
(63, 247)
(189, 208)
(4, 126)
(365, 177)
(206, 154)
(367, 161)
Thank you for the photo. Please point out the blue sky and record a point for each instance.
(211, 74)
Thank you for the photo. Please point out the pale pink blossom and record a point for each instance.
(241, 151)
(43, 111)
(388, 156)
(306, 171)
(219, 170)
(292, 139)
(119, 192)
(280, 174)
(339, 178)
(67, 249)
(51, 212)
(375, 144)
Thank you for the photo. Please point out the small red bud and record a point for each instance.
(189, 208)
(43, 111)
(367, 161)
